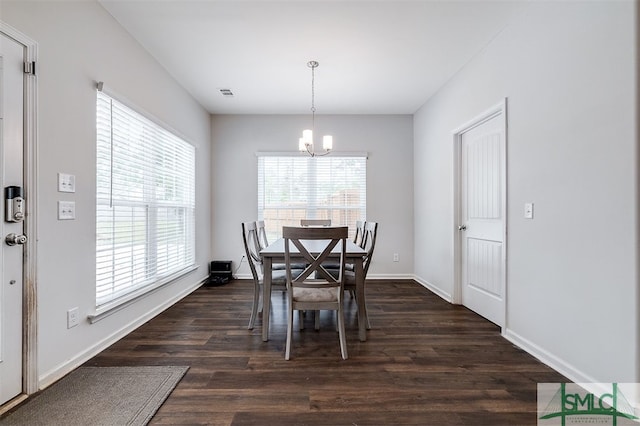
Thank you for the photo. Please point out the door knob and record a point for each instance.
(13, 239)
(462, 228)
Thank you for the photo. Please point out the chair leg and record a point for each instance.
(287, 351)
(366, 314)
(341, 333)
(254, 308)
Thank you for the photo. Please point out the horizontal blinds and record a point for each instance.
(145, 190)
(291, 188)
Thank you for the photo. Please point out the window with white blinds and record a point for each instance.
(145, 213)
(294, 187)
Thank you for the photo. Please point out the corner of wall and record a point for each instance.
(434, 289)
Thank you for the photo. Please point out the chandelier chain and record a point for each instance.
(313, 95)
(306, 142)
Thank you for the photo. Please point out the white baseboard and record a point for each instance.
(389, 276)
(590, 384)
(570, 372)
(243, 277)
(66, 367)
(547, 358)
(439, 292)
(369, 277)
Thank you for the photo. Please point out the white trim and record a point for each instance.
(548, 358)
(304, 154)
(30, 283)
(61, 370)
(243, 277)
(434, 289)
(372, 277)
(496, 110)
(116, 305)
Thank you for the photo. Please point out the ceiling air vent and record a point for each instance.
(227, 93)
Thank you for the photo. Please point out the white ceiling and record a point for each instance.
(376, 57)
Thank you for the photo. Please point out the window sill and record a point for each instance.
(114, 306)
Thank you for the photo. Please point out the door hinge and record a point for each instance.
(30, 68)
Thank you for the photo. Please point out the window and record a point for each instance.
(145, 213)
(294, 187)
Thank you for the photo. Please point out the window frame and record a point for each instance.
(170, 173)
(274, 226)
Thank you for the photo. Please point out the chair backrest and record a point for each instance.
(327, 239)
(252, 247)
(369, 243)
(315, 222)
(358, 239)
(262, 234)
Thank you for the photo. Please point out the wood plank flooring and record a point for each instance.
(426, 362)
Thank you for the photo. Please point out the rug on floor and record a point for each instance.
(100, 396)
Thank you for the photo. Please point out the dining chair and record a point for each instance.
(252, 251)
(263, 241)
(315, 289)
(358, 238)
(369, 236)
(315, 222)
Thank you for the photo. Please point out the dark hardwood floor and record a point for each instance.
(425, 362)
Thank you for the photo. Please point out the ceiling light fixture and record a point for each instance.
(306, 141)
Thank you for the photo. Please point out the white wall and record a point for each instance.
(567, 69)
(387, 139)
(80, 43)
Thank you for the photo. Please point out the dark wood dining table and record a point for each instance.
(274, 254)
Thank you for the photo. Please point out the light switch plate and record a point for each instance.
(528, 210)
(66, 182)
(66, 210)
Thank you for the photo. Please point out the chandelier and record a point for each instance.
(306, 141)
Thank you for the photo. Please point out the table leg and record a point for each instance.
(266, 298)
(362, 312)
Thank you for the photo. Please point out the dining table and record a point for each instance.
(274, 254)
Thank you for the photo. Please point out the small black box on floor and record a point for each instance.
(219, 272)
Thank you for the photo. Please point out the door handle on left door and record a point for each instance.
(462, 228)
(13, 239)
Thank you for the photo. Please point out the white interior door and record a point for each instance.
(11, 174)
(482, 216)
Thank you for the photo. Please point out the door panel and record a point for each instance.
(481, 213)
(11, 174)
(484, 270)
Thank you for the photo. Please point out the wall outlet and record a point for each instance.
(396, 258)
(528, 210)
(73, 317)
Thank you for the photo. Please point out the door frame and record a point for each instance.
(496, 110)
(30, 143)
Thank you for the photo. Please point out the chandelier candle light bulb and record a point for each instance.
(327, 142)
